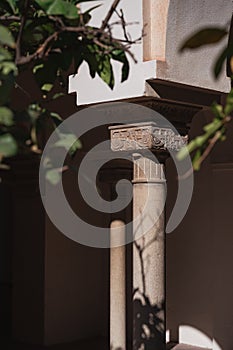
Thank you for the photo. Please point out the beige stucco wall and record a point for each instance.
(192, 67)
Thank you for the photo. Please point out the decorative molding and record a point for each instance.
(180, 114)
(145, 136)
(147, 170)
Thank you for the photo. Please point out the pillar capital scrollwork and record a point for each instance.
(132, 137)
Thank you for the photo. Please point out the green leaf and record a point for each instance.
(47, 87)
(69, 142)
(217, 110)
(196, 160)
(57, 119)
(91, 59)
(197, 142)
(106, 72)
(78, 57)
(12, 4)
(120, 56)
(8, 7)
(183, 153)
(6, 86)
(6, 116)
(76, 145)
(212, 127)
(59, 8)
(86, 17)
(53, 176)
(34, 111)
(125, 71)
(229, 103)
(8, 67)
(6, 37)
(37, 67)
(8, 145)
(203, 37)
(57, 95)
(5, 55)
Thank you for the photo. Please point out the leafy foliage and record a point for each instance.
(6, 37)
(215, 131)
(49, 38)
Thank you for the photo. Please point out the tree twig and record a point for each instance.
(209, 148)
(83, 31)
(19, 38)
(212, 142)
(109, 14)
(10, 18)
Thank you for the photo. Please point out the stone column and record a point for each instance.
(149, 193)
(111, 176)
(117, 289)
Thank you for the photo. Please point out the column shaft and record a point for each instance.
(117, 290)
(148, 255)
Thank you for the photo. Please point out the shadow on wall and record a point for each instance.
(148, 324)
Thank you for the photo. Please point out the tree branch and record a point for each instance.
(18, 41)
(102, 38)
(212, 142)
(109, 14)
(204, 155)
(10, 18)
(83, 31)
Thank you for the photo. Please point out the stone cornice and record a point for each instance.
(184, 93)
(180, 114)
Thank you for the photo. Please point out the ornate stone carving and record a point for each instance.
(147, 170)
(145, 136)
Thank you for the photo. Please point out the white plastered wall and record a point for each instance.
(184, 18)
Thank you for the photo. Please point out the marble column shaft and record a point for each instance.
(149, 192)
(117, 289)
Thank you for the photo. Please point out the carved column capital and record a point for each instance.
(130, 137)
(146, 170)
